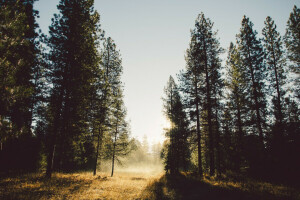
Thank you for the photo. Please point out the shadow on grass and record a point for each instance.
(35, 186)
(188, 187)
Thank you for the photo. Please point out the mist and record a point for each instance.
(142, 160)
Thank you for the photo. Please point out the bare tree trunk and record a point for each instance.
(217, 135)
(114, 151)
(113, 161)
(50, 161)
(200, 171)
(97, 152)
(254, 88)
(56, 128)
(209, 116)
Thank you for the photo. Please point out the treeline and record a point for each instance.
(61, 95)
(242, 116)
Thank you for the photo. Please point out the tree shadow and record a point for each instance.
(38, 187)
(188, 187)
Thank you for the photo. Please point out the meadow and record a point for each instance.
(139, 185)
(75, 186)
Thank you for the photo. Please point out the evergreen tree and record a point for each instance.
(275, 64)
(177, 156)
(292, 40)
(275, 68)
(190, 83)
(116, 127)
(208, 50)
(18, 62)
(236, 105)
(73, 59)
(292, 43)
(252, 54)
(121, 145)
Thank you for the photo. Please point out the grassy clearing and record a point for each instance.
(75, 186)
(185, 186)
(129, 185)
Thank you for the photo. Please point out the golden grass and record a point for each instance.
(187, 186)
(130, 185)
(253, 186)
(75, 186)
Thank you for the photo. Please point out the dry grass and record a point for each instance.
(186, 186)
(75, 186)
(261, 188)
(129, 185)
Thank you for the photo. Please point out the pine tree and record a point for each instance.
(236, 103)
(292, 40)
(116, 126)
(177, 156)
(275, 67)
(18, 61)
(292, 43)
(275, 64)
(190, 83)
(208, 50)
(119, 133)
(73, 59)
(252, 54)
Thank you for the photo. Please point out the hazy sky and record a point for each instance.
(153, 35)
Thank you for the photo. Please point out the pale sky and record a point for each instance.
(153, 35)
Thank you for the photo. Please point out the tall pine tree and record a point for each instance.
(292, 43)
(177, 155)
(73, 59)
(252, 54)
(18, 62)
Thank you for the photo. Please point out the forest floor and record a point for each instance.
(125, 185)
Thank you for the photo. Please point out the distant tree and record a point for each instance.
(145, 144)
(156, 152)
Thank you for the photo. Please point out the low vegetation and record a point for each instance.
(186, 186)
(75, 186)
(129, 185)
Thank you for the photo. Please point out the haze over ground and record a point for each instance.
(153, 36)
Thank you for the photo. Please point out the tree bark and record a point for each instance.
(97, 152)
(114, 151)
(210, 131)
(254, 89)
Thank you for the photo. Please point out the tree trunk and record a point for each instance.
(210, 131)
(114, 151)
(240, 132)
(113, 161)
(50, 161)
(278, 94)
(254, 88)
(200, 171)
(218, 152)
(97, 153)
